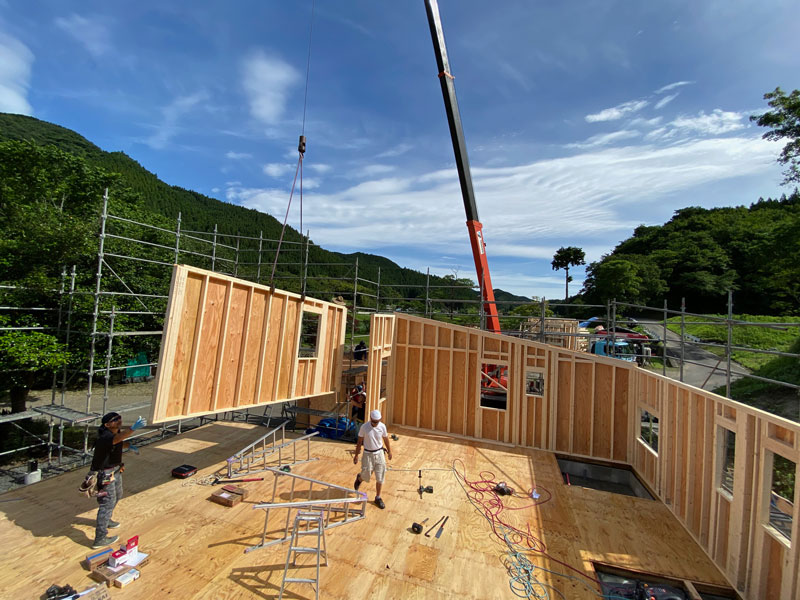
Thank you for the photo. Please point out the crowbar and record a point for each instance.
(441, 529)
(428, 533)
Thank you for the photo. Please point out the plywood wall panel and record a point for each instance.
(188, 313)
(443, 389)
(583, 408)
(564, 405)
(228, 372)
(603, 417)
(226, 345)
(201, 400)
(622, 410)
(459, 391)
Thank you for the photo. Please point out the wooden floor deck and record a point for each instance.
(197, 547)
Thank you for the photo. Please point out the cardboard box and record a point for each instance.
(97, 558)
(99, 593)
(243, 492)
(141, 560)
(126, 578)
(106, 574)
(226, 498)
(117, 558)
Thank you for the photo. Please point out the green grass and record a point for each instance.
(761, 338)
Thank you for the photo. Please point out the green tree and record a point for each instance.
(784, 123)
(23, 355)
(566, 257)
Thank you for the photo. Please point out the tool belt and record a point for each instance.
(106, 476)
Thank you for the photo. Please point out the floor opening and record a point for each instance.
(608, 478)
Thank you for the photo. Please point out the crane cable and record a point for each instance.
(301, 149)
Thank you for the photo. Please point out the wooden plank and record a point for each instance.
(603, 422)
(583, 377)
(428, 388)
(251, 348)
(459, 391)
(201, 400)
(181, 363)
(234, 336)
(564, 405)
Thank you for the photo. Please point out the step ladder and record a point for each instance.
(305, 523)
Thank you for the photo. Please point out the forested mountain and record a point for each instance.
(701, 253)
(200, 212)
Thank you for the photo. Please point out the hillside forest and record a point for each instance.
(52, 183)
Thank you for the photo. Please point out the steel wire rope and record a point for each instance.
(301, 148)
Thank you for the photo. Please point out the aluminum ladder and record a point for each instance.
(302, 523)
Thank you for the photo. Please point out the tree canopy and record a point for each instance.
(784, 124)
(566, 257)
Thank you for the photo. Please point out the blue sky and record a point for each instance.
(583, 119)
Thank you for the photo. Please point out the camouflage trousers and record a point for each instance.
(107, 502)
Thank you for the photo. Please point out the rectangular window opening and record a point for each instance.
(384, 376)
(309, 334)
(728, 454)
(781, 500)
(534, 383)
(649, 430)
(604, 477)
(494, 386)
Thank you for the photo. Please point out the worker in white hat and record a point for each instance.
(372, 436)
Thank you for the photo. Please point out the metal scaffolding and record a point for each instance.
(92, 313)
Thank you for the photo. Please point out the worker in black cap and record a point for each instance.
(107, 463)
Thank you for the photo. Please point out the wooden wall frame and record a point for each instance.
(233, 344)
(591, 409)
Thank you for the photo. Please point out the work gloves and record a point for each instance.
(140, 422)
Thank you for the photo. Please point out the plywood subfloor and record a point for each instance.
(197, 547)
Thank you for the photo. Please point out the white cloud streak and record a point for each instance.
(90, 32)
(605, 139)
(171, 115)
(592, 198)
(617, 112)
(267, 82)
(277, 169)
(664, 101)
(672, 86)
(716, 123)
(16, 61)
(231, 155)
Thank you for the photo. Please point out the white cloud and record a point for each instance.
(593, 199)
(665, 100)
(91, 32)
(604, 139)
(15, 75)
(672, 86)
(617, 112)
(395, 151)
(171, 115)
(237, 155)
(373, 170)
(639, 122)
(319, 168)
(278, 169)
(267, 82)
(718, 122)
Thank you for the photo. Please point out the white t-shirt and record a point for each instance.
(373, 436)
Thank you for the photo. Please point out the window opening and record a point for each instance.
(649, 430)
(728, 454)
(534, 383)
(782, 494)
(494, 386)
(384, 372)
(309, 334)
